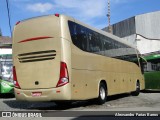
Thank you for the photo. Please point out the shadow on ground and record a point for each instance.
(151, 91)
(7, 96)
(52, 106)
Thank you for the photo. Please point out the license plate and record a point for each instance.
(36, 94)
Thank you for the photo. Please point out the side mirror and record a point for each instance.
(142, 61)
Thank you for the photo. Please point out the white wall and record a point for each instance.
(146, 46)
(148, 25)
(5, 51)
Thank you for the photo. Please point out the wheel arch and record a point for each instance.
(138, 81)
(105, 83)
(102, 99)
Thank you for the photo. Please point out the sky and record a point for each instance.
(91, 12)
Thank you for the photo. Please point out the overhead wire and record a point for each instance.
(9, 17)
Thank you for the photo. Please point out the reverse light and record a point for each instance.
(16, 84)
(64, 77)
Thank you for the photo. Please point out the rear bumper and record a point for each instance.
(60, 93)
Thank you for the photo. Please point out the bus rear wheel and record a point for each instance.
(137, 91)
(102, 94)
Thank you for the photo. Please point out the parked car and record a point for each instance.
(6, 87)
(6, 77)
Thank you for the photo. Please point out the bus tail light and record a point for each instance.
(18, 22)
(57, 15)
(16, 84)
(64, 77)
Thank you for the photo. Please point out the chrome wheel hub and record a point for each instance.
(102, 93)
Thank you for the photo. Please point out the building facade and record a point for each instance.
(5, 40)
(143, 31)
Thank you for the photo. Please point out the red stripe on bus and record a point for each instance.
(36, 38)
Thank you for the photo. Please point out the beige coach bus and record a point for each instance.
(57, 58)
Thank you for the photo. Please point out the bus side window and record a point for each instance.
(78, 35)
(95, 43)
(108, 44)
(143, 64)
(73, 32)
(81, 37)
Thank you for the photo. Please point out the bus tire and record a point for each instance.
(102, 97)
(137, 91)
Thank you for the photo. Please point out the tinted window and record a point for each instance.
(94, 42)
(78, 35)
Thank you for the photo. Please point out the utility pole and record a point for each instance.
(109, 17)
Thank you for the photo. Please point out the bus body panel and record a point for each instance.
(89, 69)
(37, 52)
(49, 94)
(65, 34)
(86, 70)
